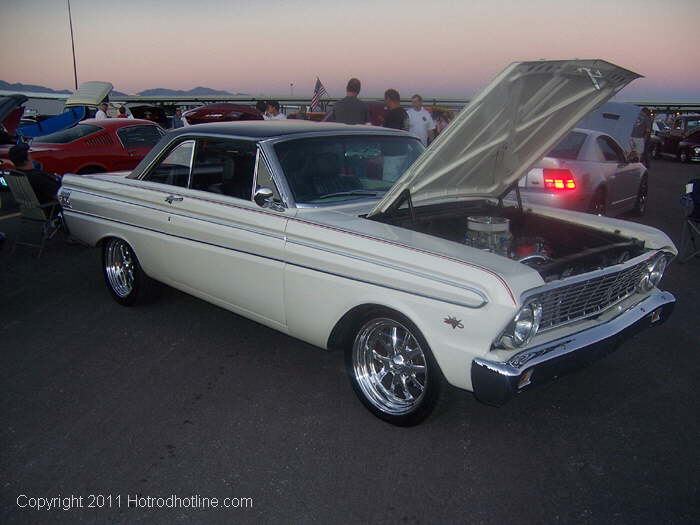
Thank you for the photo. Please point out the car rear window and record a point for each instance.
(569, 147)
(69, 135)
(140, 136)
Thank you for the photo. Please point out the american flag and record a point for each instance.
(319, 91)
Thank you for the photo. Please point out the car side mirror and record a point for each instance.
(265, 198)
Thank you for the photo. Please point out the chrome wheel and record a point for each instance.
(390, 366)
(119, 267)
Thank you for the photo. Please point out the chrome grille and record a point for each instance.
(586, 298)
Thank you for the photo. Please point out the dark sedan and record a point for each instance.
(680, 141)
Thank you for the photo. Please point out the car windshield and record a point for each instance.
(322, 170)
(68, 135)
(569, 147)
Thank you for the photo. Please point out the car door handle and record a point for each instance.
(173, 198)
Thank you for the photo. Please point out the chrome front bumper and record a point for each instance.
(495, 382)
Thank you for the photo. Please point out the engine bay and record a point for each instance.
(556, 249)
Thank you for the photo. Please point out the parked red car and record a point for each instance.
(93, 146)
(223, 112)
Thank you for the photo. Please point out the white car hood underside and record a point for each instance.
(507, 128)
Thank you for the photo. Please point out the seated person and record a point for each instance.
(5, 137)
(45, 185)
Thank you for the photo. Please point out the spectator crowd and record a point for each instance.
(416, 119)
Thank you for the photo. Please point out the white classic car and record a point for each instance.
(409, 261)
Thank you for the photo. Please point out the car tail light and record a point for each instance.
(559, 180)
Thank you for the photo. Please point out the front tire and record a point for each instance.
(126, 281)
(392, 369)
(683, 156)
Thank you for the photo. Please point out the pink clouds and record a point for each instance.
(439, 49)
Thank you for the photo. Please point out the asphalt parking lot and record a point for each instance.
(181, 397)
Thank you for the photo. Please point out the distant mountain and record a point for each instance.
(199, 91)
(30, 87)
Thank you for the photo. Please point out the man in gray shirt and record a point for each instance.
(350, 110)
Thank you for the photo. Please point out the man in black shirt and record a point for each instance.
(44, 184)
(350, 110)
(396, 117)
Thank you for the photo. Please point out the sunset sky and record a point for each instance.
(438, 48)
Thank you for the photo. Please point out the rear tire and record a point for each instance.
(126, 281)
(640, 207)
(392, 369)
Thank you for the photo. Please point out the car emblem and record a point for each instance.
(453, 322)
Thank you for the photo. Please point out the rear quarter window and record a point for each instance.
(68, 135)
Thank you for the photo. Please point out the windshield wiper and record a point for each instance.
(350, 193)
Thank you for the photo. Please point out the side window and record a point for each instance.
(139, 136)
(611, 151)
(678, 124)
(225, 167)
(264, 178)
(174, 169)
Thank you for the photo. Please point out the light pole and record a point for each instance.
(291, 88)
(72, 45)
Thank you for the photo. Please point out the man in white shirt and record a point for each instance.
(102, 112)
(420, 123)
(273, 111)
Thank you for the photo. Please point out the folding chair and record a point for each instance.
(45, 219)
(690, 234)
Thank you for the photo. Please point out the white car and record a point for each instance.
(588, 171)
(409, 261)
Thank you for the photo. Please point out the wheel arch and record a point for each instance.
(91, 168)
(344, 328)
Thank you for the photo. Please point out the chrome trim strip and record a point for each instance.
(162, 188)
(173, 211)
(343, 276)
(155, 230)
(539, 354)
(484, 299)
(274, 169)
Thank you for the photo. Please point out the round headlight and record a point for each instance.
(523, 327)
(655, 271)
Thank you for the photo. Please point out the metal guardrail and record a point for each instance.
(449, 103)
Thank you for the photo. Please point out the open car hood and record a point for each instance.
(8, 106)
(506, 129)
(89, 94)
